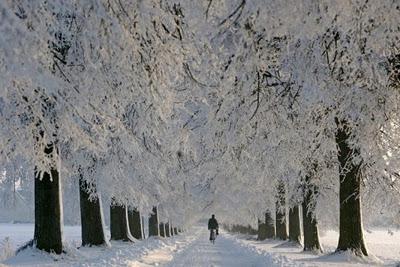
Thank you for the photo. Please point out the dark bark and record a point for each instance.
(167, 230)
(175, 231)
(294, 225)
(310, 226)
(153, 223)
(350, 230)
(48, 214)
(269, 225)
(162, 229)
(48, 209)
(91, 217)
(135, 223)
(119, 227)
(281, 229)
(262, 231)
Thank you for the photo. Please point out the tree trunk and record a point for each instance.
(175, 231)
(350, 230)
(310, 226)
(162, 229)
(91, 217)
(281, 229)
(143, 230)
(262, 235)
(294, 225)
(167, 230)
(119, 227)
(135, 225)
(153, 223)
(48, 212)
(269, 225)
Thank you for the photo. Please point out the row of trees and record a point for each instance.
(80, 102)
(288, 227)
(193, 105)
(307, 113)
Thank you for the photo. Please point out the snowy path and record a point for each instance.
(200, 252)
(223, 253)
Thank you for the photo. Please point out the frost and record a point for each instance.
(197, 104)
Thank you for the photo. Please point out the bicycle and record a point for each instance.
(212, 236)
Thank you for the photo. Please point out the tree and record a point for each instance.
(281, 229)
(162, 229)
(351, 231)
(294, 224)
(92, 221)
(269, 224)
(310, 226)
(135, 224)
(143, 233)
(119, 226)
(167, 230)
(171, 230)
(48, 211)
(261, 235)
(153, 223)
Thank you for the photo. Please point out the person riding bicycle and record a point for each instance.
(212, 225)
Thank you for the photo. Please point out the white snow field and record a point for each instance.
(193, 249)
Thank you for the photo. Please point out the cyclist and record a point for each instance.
(213, 227)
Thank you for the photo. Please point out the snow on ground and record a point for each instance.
(383, 246)
(194, 249)
(120, 253)
(20, 233)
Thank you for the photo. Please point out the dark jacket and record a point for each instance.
(212, 224)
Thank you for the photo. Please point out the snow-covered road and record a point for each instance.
(225, 252)
(192, 248)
